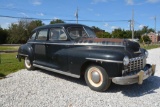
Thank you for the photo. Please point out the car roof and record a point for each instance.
(58, 25)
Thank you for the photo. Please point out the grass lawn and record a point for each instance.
(150, 46)
(2, 48)
(9, 64)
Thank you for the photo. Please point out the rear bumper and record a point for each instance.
(138, 78)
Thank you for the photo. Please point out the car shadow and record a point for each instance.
(135, 90)
(148, 87)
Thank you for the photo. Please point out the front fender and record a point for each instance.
(25, 50)
(110, 59)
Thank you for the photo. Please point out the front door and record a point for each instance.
(40, 46)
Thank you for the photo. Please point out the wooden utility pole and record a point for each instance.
(155, 24)
(76, 15)
(0, 57)
(155, 28)
(132, 24)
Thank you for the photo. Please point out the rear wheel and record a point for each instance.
(28, 64)
(97, 78)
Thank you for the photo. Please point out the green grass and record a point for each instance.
(9, 64)
(2, 48)
(150, 46)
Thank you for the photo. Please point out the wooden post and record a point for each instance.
(140, 75)
(153, 69)
(0, 57)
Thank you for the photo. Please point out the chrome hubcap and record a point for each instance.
(27, 62)
(95, 77)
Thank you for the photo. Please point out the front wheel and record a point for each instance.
(28, 64)
(97, 78)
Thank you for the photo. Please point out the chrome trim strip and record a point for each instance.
(97, 44)
(23, 54)
(59, 43)
(57, 71)
(39, 43)
(102, 60)
(54, 43)
(138, 51)
(87, 44)
(136, 58)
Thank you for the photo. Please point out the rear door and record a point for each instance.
(56, 49)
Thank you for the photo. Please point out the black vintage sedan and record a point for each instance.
(74, 50)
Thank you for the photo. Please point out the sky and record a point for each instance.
(105, 14)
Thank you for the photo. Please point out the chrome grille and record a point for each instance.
(135, 65)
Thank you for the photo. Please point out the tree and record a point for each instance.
(3, 35)
(17, 32)
(117, 33)
(146, 39)
(145, 29)
(127, 34)
(101, 33)
(20, 32)
(56, 21)
(97, 29)
(138, 34)
(32, 25)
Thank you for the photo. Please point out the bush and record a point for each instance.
(3, 36)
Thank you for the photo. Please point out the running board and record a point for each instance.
(57, 71)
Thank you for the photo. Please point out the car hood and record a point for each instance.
(129, 44)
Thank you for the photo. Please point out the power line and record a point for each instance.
(30, 11)
(31, 18)
(19, 10)
(137, 23)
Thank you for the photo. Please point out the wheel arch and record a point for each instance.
(25, 50)
(86, 65)
(112, 69)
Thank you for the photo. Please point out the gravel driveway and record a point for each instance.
(46, 89)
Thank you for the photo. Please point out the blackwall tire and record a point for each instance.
(97, 78)
(28, 64)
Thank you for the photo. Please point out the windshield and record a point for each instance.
(76, 32)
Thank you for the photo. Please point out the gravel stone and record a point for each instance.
(42, 88)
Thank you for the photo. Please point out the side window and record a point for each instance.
(90, 32)
(57, 34)
(76, 32)
(33, 36)
(42, 34)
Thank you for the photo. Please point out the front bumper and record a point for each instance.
(138, 78)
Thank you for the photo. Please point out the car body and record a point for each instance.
(74, 50)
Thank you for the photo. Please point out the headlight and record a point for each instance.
(146, 54)
(126, 60)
